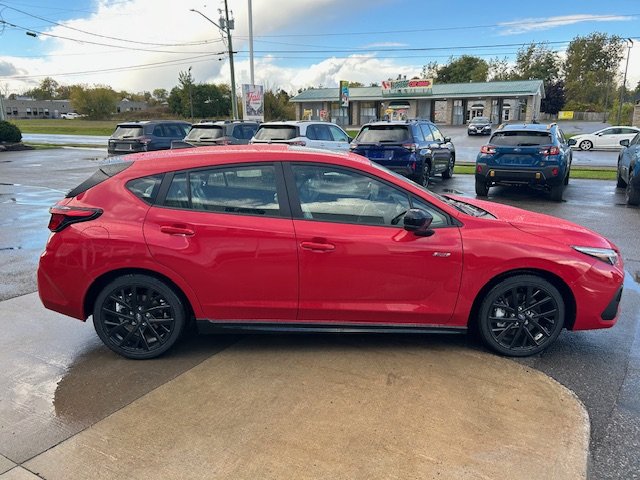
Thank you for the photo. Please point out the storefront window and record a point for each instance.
(368, 112)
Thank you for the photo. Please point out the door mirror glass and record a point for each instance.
(625, 142)
(572, 141)
(418, 222)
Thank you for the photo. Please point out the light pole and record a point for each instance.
(251, 43)
(624, 82)
(225, 27)
(190, 95)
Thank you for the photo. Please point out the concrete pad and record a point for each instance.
(19, 473)
(57, 378)
(321, 407)
(5, 464)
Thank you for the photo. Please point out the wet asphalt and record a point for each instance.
(87, 382)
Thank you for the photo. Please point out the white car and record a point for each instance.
(607, 138)
(324, 135)
(70, 115)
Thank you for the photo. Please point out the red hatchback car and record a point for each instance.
(283, 238)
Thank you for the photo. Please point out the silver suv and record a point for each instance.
(325, 135)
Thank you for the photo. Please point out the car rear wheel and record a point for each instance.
(423, 178)
(138, 316)
(482, 188)
(632, 193)
(448, 173)
(620, 183)
(586, 145)
(556, 192)
(521, 316)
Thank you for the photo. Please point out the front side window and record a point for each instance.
(249, 190)
(437, 135)
(337, 134)
(333, 194)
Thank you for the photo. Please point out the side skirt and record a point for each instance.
(212, 327)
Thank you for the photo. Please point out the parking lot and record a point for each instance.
(60, 383)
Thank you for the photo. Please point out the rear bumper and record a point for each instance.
(505, 175)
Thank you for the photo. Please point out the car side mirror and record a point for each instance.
(625, 142)
(572, 141)
(418, 222)
(447, 139)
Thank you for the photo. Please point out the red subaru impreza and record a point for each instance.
(282, 238)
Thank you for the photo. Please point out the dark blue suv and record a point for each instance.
(525, 154)
(629, 169)
(414, 148)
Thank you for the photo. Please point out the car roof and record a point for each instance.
(138, 123)
(396, 122)
(187, 158)
(536, 127)
(296, 122)
(225, 122)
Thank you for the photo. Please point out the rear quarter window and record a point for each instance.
(145, 188)
(521, 139)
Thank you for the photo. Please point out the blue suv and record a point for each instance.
(414, 148)
(525, 154)
(629, 169)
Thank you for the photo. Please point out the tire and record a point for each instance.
(556, 192)
(620, 183)
(482, 189)
(448, 173)
(632, 194)
(521, 316)
(566, 179)
(138, 316)
(585, 145)
(423, 178)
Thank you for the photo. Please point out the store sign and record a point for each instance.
(566, 115)
(418, 86)
(253, 102)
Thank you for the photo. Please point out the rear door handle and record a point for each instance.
(177, 230)
(318, 247)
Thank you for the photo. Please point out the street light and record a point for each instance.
(225, 27)
(624, 82)
(190, 95)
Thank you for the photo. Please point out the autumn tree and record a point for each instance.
(97, 103)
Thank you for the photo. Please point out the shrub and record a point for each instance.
(9, 132)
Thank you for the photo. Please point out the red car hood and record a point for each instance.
(545, 226)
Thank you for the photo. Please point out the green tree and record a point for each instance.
(463, 70)
(277, 106)
(97, 103)
(430, 70)
(499, 69)
(160, 95)
(47, 90)
(590, 69)
(175, 101)
(537, 62)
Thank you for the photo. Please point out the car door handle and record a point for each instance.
(319, 247)
(177, 230)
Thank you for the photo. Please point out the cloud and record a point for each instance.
(534, 24)
(7, 68)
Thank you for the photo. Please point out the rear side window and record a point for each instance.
(145, 188)
(521, 139)
(205, 133)
(276, 132)
(100, 176)
(384, 133)
(127, 131)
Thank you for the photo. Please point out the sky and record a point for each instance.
(141, 45)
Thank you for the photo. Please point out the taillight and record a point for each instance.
(63, 216)
(299, 143)
(550, 151)
(410, 146)
(488, 149)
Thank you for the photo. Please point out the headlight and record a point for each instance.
(607, 255)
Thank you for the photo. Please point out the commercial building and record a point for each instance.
(25, 107)
(447, 104)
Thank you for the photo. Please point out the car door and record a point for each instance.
(357, 263)
(608, 138)
(313, 137)
(440, 149)
(339, 138)
(227, 232)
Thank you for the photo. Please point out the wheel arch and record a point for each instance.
(104, 279)
(556, 281)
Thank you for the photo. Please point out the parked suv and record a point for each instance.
(325, 135)
(525, 154)
(228, 132)
(131, 137)
(629, 169)
(414, 148)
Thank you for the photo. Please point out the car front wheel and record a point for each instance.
(586, 145)
(448, 173)
(632, 193)
(138, 316)
(423, 178)
(522, 315)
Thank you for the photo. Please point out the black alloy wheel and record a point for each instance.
(138, 316)
(423, 178)
(448, 173)
(521, 316)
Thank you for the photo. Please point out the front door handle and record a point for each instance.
(318, 247)
(177, 230)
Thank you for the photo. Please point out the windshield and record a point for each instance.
(127, 131)
(480, 120)
(384, 133)
(521, 139)
(202, 132)
(276, 132)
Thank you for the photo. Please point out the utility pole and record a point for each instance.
(190, 94)
(251, 43)
(624, 82)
